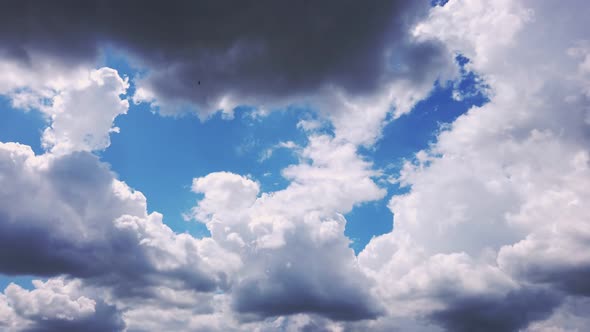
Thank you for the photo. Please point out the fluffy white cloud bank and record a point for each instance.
(492, 236)
(494, 232)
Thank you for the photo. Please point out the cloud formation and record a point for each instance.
(214, 55)
(69, 215)
(513, 174)
(82, 116)
(296, 257)
(56, 305)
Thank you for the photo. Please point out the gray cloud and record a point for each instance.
(325, 284)
(511, 312)
(265, 50)
(573, 279)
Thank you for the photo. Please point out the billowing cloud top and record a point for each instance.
(490, 232)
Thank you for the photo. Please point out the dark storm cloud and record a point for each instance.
(511, 312)
(252, 49)
(574, 280)
(61, 221)
(105, 318)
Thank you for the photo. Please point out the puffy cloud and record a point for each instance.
(502, 187)
(57, 305)
(224, 190)
(69, 215)
(82, 116)
(50, 300)
(296, 257)
(80, 104)
(33, 84)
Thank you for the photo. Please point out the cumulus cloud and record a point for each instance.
(57, 305)
(296, 257)
(502, 185)
(79, 104)
(82, 116)
(90, 226)
(205, 58)
(32, 85)
(69, 215)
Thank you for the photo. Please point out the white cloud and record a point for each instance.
(331, 178)
(225, 192)
(67, 214)
(80, 103)
(54, 305)
(503, 184)
(34, 83)
(82, 116)
(267, 154)
(54, 299)
(296, 257)
(360, 119)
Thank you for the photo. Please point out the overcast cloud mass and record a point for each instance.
(488, 228)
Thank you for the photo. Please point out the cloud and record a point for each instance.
(90, 226)
(497, 196)
(296, 257)
(69, 215)
(58, 305)
(569, 317)
(31, 85)
(259, 51)
(84, 219)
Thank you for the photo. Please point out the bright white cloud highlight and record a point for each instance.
(82, 116)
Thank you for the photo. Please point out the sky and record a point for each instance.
(288, 166)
